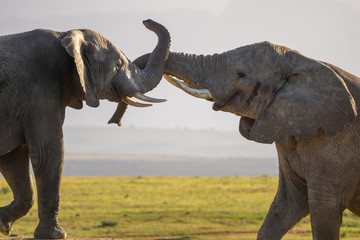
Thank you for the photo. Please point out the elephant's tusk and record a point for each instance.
(130, 102)
(199, 93)
(148, 99)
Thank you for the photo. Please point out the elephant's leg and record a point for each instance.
(47, 161)
(44, 138)
(15, 167)
(329, 195)
(326, 217)
(290, 205)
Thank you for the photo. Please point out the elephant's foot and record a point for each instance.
(49, 232)
(5, 227)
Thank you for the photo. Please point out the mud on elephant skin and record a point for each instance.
(307, 107)
(41, 73)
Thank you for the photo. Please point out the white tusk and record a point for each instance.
(148, 99)
(135, 104)
(199, 93)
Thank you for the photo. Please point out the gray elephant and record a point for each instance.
(307, 107)
(42, 72)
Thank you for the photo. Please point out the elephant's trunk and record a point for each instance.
(190, 68)
(149, 77)
(187, 67)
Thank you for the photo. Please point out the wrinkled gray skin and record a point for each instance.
(308, 108)
(42, 72)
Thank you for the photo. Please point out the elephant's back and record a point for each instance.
(28, 48)
(352, 82)
(34, 58)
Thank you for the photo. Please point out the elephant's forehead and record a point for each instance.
(110, 53)
(262, 54)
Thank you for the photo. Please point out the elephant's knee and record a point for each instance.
(25, 203)
(21, 207)
(28, 203)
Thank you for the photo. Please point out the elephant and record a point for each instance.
(41, 73)
(308, 108)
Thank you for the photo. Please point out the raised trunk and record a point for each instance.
(149, 77)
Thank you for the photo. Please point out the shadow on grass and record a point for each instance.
(172, 239)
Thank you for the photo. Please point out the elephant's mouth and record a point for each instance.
(137, 95)
(123, 102)
(219, 106)
(201, 93)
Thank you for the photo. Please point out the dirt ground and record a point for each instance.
(210, 236)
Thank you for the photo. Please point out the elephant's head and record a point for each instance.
(277, 92)
(106, 73)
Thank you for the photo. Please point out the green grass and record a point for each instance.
(165, 207)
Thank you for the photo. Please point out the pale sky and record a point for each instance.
(326, 30)
(43, 8)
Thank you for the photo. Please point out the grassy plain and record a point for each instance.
(167, 208)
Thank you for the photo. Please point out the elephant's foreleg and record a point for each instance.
(327, 201)
(325, 218)
(44, 138)
(289, 206)
(15, 167)
(47, 161)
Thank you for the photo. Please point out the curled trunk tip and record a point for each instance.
(151, 71)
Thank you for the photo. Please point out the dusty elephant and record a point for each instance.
(307, 107)
(42, 72)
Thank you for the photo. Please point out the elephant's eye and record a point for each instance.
(241, 75)
(117, 67)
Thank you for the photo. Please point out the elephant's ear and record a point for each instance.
(313, 96)
(76, 47)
